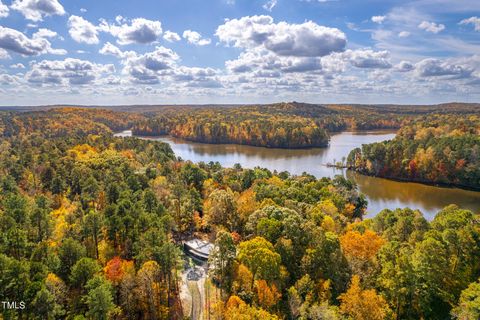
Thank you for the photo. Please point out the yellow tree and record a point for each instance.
(237, 309)
(267, 296)
(360, 251)
(361, 246)
(261, 258)
(363, 304)
(150, 291)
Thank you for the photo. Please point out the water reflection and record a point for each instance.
(381, 193)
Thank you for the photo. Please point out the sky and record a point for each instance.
(121, 52)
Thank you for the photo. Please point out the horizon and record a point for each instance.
(66, 105)
(238, 52)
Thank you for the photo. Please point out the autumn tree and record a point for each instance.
(468, 307)
(220, 209)
(267, 296)
(236, 308)
(260, 257)
(222, 258)
(363, 304)
(361, 249)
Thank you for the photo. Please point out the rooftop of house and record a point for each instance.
(200, 247)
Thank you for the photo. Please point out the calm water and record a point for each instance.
(381, 193)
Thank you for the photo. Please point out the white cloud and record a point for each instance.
(307, 39)
(83, 10)
(120, 19)
(17, 66)
(437, 68)
(404, 66)
(431, 26)
(3, 10)
(171, 36)
(110, 49)
(82, 31)
(147, 67)
(139, 31)
(475, 21)
(269, 5)
(378, 19)
(366, 58)
(44, 33)
(35, 10)
(15, 41)
(262, 62)
(404, 34)
(4, 54)
(7, 79)
(66, 72)
(195, 38)
(162, 65)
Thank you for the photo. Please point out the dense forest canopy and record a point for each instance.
(282, 125)
(65, 122)
(442, 149)
(91, 227)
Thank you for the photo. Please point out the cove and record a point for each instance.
(381, 193)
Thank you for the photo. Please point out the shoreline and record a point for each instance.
(422, 182)
(379, 131)
(328, 165)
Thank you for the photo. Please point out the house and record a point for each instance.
(198, 249)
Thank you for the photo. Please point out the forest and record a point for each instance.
(281, 125)
(438, 149)
(91, 224)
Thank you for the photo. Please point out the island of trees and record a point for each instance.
(91, 227)
(281, 125)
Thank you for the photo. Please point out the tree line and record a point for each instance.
(439, 149)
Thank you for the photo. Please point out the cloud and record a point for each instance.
(475, 21)
(4, 54)
(303, 40)
(110, 49)
(44, 33)
(195, 77)
(140, 30)
(82, 31)
(35, 10)
(83, 10)
(269, 5)
(263, 62)
(404, 34)
(17, 66)
(437, 68)
(7, 79)
(3, 10)
(66, 72)
(162, 64)
(15, 41)
(171, 36)
(404, 66)
(147, 67)
(431, 26)
(195, 38)
(366, 58)
(378, 19)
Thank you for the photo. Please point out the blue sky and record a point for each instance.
(238, 51)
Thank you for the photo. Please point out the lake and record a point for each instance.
(381, 193)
